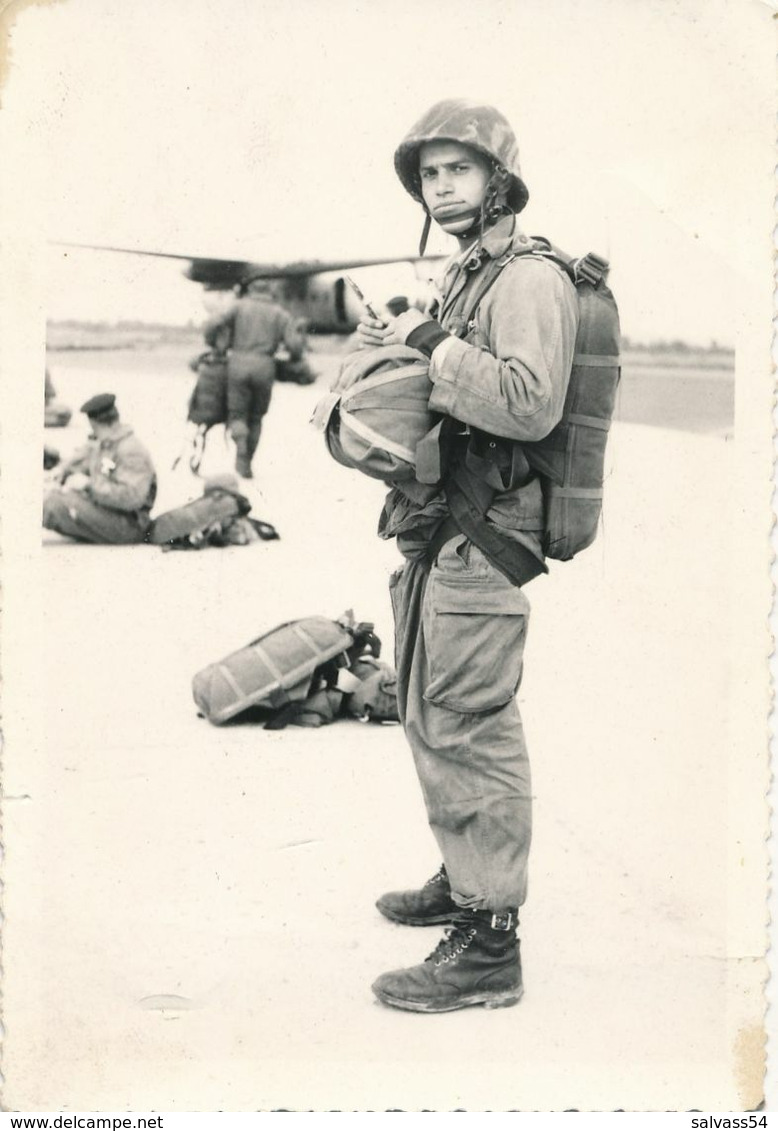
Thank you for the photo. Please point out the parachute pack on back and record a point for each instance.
(570, 460)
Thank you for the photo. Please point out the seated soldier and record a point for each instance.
(106, 491)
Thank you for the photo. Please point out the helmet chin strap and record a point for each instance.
(472, 214)
(491, 209)
(425, 232)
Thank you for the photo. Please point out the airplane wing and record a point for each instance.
(215, 273)
(312, 290)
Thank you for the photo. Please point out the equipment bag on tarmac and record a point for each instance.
(194, 523)
(284, 670)
(367, 691)
(378, 411)
(375, 699)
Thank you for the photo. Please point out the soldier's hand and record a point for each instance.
(406, 323)
(394, 332)
(77, 481)
(371, 332)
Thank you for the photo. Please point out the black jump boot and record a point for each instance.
(476, 963)
(422, 907)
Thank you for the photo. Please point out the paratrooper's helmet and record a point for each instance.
(481, 127)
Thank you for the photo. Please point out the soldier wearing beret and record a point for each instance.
(106, 491)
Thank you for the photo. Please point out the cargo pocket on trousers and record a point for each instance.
(475, 626)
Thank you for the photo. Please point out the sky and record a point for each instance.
(265, 130)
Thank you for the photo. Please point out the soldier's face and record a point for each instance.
(453, 183)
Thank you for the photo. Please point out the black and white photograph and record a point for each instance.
(385, 639)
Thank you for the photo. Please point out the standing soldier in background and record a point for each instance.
(106, 491)
(500, 339)
(257, 326)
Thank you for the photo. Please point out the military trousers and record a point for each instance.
(77, 516)
(250, 379)
(460, 630)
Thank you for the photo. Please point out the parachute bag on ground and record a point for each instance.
(196, 517)
(278, 668)
(375, 700)
(378, 412)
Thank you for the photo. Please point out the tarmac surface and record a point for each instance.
(190, 919)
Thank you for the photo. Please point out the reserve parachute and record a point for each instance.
(378, 412)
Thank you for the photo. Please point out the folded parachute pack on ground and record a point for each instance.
(220, 517)
(308, 672)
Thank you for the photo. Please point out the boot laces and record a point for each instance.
(454, 942)
(438, 878)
